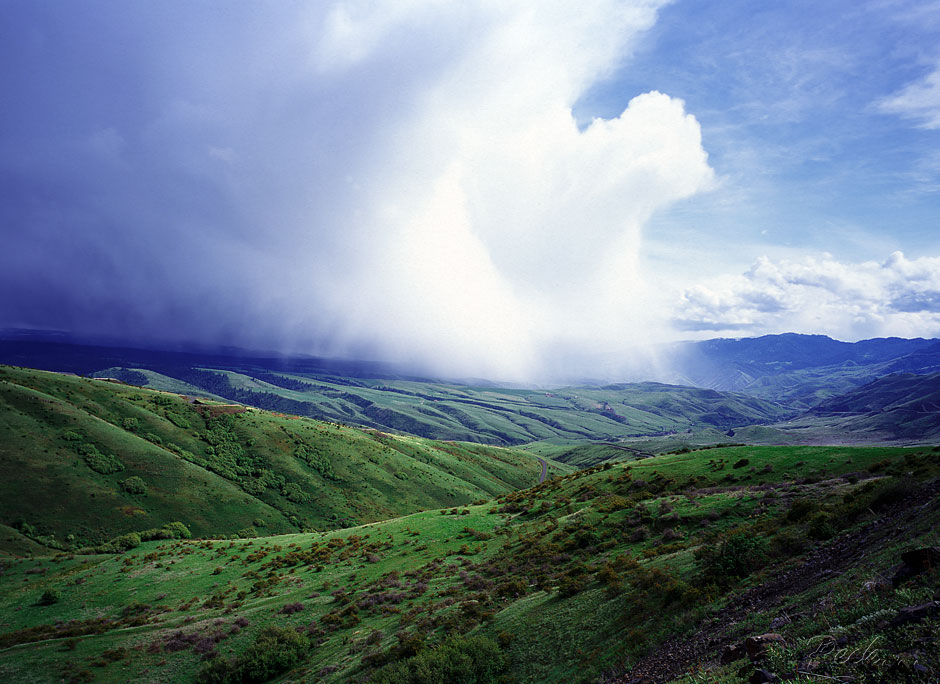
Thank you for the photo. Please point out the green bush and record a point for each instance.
(126, 542)
(274, 651)
(821, 526)
(49, 596)
(295, 493)
(100, 463)
(887, 493)
(569, 585)
(178, 530)
(801, 509)
(130, 424)
(788, 543)
(730, 556)
(457, 660)
(134, 485)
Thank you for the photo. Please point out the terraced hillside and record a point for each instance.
(82, 461)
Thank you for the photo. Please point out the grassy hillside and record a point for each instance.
(489, 414)
(589, 573)
(371, 395)
(82, 461)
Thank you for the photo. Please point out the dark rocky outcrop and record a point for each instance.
(756, 646)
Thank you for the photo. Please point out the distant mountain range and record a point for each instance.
(799, 371)
(792, 385)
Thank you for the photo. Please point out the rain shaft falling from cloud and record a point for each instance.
(401, 180)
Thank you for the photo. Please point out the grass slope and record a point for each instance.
(487, 414)
(378, 396)
(82, 461)
(585, 574)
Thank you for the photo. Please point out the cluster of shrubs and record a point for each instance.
(273, 652)
(313, 457)
(457, 660)
(131, 540)
(730, 557)
(97, 461)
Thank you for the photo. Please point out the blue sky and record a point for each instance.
(510, 189)
(790, 97)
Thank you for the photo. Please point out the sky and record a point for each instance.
(512, 190)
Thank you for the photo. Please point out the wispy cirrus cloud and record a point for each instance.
(918, 101)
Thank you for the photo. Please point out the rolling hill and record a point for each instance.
(626, 572)
(370, 395)
(82, 461)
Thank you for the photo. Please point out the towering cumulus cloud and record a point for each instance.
(398, 180)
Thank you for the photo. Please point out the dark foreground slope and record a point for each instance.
(588, 575)
(82, 461)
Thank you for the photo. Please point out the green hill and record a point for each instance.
(376, 396)
(587, 575)
(82, 461)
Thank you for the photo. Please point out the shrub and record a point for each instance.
(126, 542)
(295, 493)
(457, 660)
(732, 556)
(569, 585)
(741, 464)
(100, 463)
(130, 424)
(274, 651)
(608, 576)
(893, 491)
(178, 420)
(800, 509)
(787, 543)
(821, 526)
(134, 485)
(178, 530)
(49, 596)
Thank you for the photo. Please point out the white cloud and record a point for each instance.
(500, 234)
(898, 296)
(919, 101)
(389, 179)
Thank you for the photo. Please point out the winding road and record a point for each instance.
(544, 469)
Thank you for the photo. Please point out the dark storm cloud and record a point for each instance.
(399, 180)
